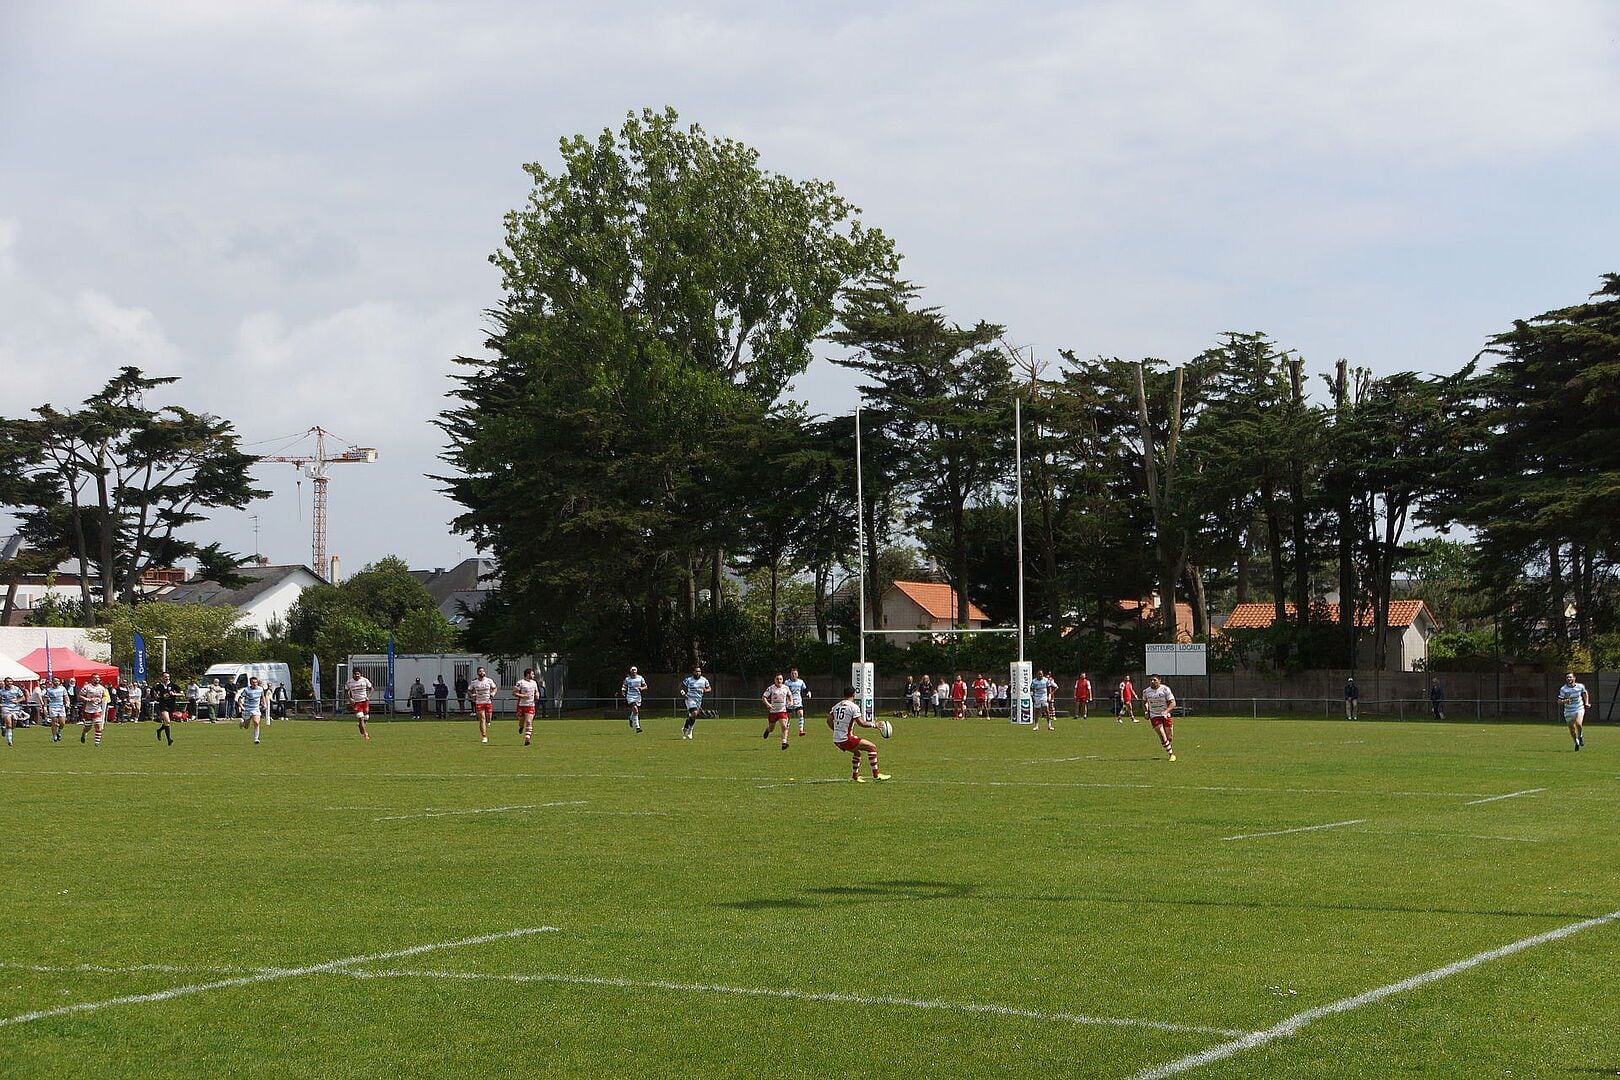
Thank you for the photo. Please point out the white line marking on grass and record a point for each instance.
(132, 969)
(1302, 828)
(270, 974)
(1060, 760)
(1294, 1023)
(1509, 795)
(1518, 839)
(800, 995)
(485, 810)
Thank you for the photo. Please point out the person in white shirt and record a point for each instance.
(693, 687)
(526, 692)
(1160, 705)
(844, 719)
(358, 691)
(482, 691)
(634, 686)
(777, 698)
(1574, 701)
(92, 707)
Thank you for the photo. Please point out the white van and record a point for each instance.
(268, 674)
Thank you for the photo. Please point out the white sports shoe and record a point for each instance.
(484, 739)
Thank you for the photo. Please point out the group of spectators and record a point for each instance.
(981, 696)
(132, 701)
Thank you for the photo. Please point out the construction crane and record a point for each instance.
(314, 466)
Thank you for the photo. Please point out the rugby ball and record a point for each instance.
(885, 728)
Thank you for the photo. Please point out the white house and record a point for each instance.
(269, 594)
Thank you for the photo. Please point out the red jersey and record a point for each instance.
(1082, 690)
(981, 689)
(1127, 692)
(959, 690)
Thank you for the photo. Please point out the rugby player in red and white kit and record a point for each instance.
(844, 718)
(526, 692)
(482, 691)
(1082, 696)
(777, 698)
(358, 691)
(1160, 704)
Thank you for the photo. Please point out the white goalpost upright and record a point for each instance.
(1022, 673)
(861, 675)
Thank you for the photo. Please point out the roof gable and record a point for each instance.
(1402, 613)
(262, 580)
(938, 600)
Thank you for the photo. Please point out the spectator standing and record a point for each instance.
(942, 694)
(461, 694)
(441, 697)
(1352, 698)
(1437, 700)
(418, 698)
(279, 700)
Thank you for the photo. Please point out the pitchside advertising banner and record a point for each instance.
(1021, 674)
(863, 678)
(1175, 659)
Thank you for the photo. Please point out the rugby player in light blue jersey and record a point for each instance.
(798, 694)
(250, 699)
(1574, 701)
(693, 687)
(634, 686)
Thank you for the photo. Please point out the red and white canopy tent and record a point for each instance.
(66, 664)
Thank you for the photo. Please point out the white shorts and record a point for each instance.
(690, 704)
(250, 714)
(1576, 717)
(55, 714)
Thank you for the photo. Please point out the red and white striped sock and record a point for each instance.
(872, 754)
(855, 765)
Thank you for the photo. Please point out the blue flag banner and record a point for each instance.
(388, 691)
(315, 677)
(48, 675)
(140, 657)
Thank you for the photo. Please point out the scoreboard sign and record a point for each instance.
(1175, 659)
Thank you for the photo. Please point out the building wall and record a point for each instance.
(275, 603)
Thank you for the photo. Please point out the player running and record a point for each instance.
(167, 696)
(1160, 704)
(844, 718)
(358, 692)
(12, 697)
(798, 694)
(1574, 701)
(693, 687)
(526, 692)
(634, 686)
(92, 708)
(778, 700)
(250, 704)
(1041, 691)
(1082, 697)
(482, 691)
(55, 699)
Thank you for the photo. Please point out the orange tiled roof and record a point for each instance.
(1258, 616)
(938, 600)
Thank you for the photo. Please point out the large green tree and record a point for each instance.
(135, 476)
(661, 288)
(358, 614)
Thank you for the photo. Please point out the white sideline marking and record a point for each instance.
(1060, 760)
(1302, 828)
(485, 810)
(1294, 1023)
(1509, 795)
(131, 969)
(268, 975)
(800, 995)
(1519, 839)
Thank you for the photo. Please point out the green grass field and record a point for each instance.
(1011, 904)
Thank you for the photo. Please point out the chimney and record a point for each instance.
(337, 569)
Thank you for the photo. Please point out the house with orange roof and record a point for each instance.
(1411, 625)
(924, 606)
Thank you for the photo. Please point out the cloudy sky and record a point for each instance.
(290, 204)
